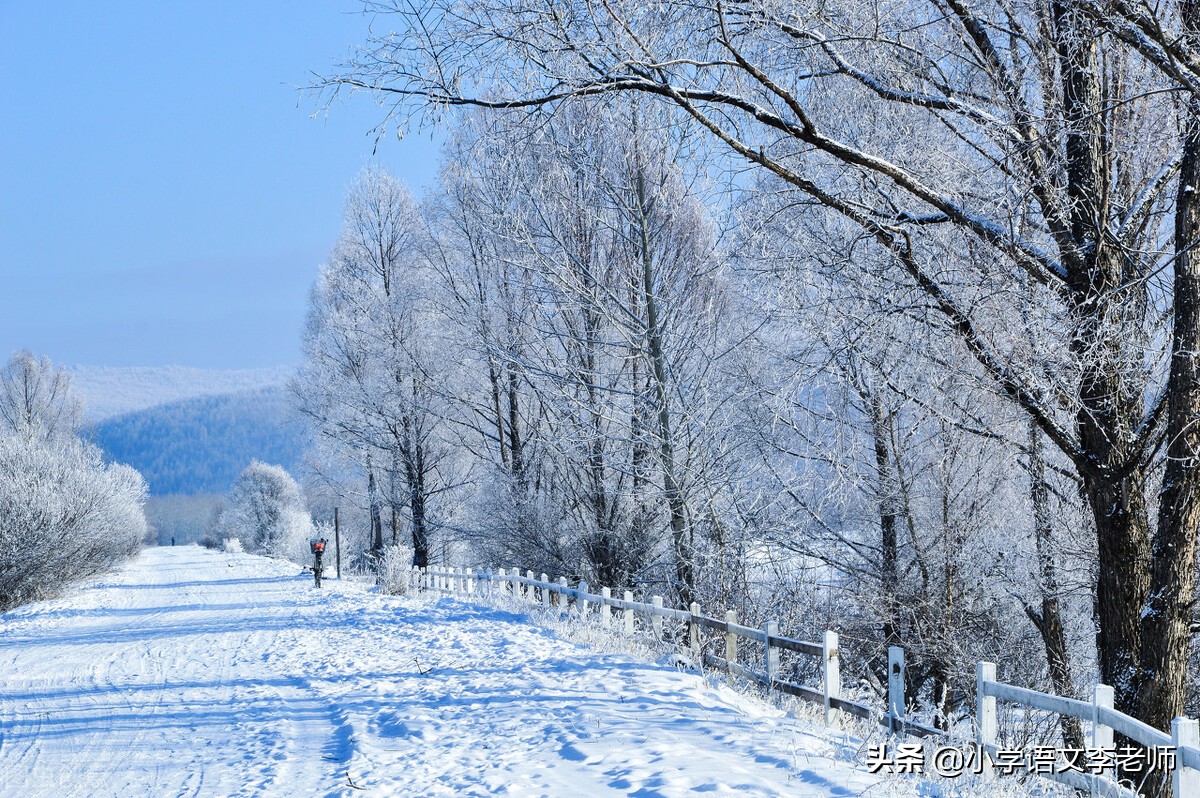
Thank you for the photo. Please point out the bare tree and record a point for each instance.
(369, 378)
(36, 400)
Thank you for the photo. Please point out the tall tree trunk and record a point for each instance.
(681, 534)
(888, 497)
(1105, 308)
(494, 382)
(516, 445)
(1048, 619)
(412, 454)
(1165, 620)
(376, 510)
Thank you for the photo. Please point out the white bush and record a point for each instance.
(64, 514)
(232, 546)
(265, 510)
(395, 570)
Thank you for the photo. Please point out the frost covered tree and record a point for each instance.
(370, 380)
(265, 509)
(36, 400)
(64, 512)
(901, 472)
(1052, 157)
(582, 275)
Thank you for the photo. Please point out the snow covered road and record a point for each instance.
(192, 672)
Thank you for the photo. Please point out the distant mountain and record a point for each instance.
(109, 391)
(200, 445)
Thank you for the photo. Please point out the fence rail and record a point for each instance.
(1184, 738)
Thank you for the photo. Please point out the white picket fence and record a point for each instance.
(1184, 738)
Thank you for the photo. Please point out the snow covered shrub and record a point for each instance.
(232, 546)
(265, 509)
(395, 570)
(64, 514)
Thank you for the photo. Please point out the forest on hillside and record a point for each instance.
(200, 445)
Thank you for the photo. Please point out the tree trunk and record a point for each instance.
(1105, 304)
(515, 442)
(681, 537)
(494, 383)
(888, 498)
(1165, 620)
(1049, 619)
(376, 513)
(412, 454)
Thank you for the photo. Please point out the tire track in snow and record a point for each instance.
(150, 673)
(197, 673)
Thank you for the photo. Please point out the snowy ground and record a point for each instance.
(197, 673)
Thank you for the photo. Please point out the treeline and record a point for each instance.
(577, 356)
(64, 512)
(941, 381)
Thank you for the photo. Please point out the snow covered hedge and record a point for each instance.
(64, 514)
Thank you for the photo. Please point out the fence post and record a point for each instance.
(1102, 736)
(694, 635)
(500, 575)
(656, 619)
(771, 658)
(563, 601)
(896, 674)
(605, 609)
(472, 582)
(530, 590)
(985, 714)
(730, 641)
(581, 602)
(831, 678)
(1102, 697)
(545, 591)
(628, 616)
(1184, 781)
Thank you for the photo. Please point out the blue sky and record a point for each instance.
(165, 197)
